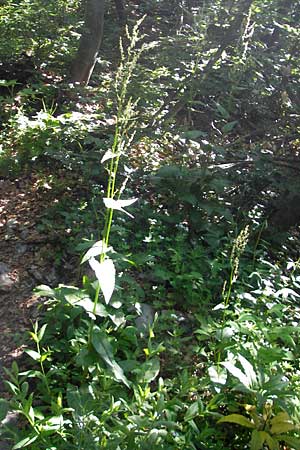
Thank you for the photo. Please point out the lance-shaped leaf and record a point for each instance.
(217, 375)
(119, 204)
(238, 419)
(4, 408)
(257, 439)
(106, 274)
(282, 423)
(290, 440)
(236, 372)
(99, 248)
(108, 155)
(249, 370)
(102, 346)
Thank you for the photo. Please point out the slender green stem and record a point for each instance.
(237, 250)
(120, 141)
(91, 326)
(42, 368)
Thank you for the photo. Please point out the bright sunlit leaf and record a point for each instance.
(286, 292)
(99, 248)
(108, 155)
(236, 372)
(217, 375)
(106, 274)
(249, 370)
(119, 204)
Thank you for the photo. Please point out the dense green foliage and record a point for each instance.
(195, 120)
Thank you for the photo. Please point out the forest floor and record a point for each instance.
(26, 260)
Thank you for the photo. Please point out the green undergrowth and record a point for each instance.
(169, 377)
(184, 332)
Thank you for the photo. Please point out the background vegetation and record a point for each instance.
(174, 171)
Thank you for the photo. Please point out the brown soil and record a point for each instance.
(28, 256)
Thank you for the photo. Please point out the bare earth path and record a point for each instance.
(25, 262)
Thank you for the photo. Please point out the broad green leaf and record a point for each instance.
(72, 294)
(119, 204)
(155, 435)
(257, 440)
(103, 348)
(28, 403)
(80, 401)
(282, 427)
(192, 412)
(88, 305)
(189, 198)
(4, 407)
(236, 372)
(32, 374)
(25, 442)
(74, 399)
(281, 423)
(118, 318)
(291, 441)
(238, 419)
(31, 415)
(229, 126)
(217, 375)
(281, 417)
(106, 274)
(38, 414)
(116, 304)
(33, 354)
(7, 83)
(54, 423)
(248, 369)
(108, 155)
(271, 442)
(85, 245)
(285, 334)
(85, 358)
(24, 388)
(42, 332)
(44, 291)
(275, 383)
(44, 357)
(150, 370)
(223, 112)
(34, 336)
(12, 387)
(99, 248)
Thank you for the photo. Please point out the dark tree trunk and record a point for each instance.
(90, 42)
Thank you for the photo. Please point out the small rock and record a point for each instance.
(21, 249)
(3, 268)
(6, 283)
(11, 224)
(24, 234)
(51, 276)
(43, 276)
(36, 274)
